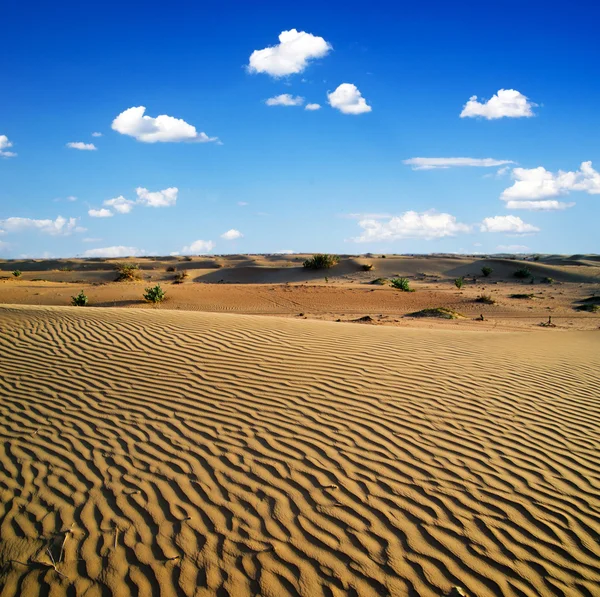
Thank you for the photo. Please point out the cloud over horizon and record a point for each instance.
(507, 224)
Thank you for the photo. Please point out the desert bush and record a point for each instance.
(486, 299)
(367, 267)
(155, 294)
(401, 284)
(81, 300)
(379, 281)
(547, 280)
(459, 282)
(180, 277)
(486, 270)
(522, 273)
(441, 312)
(128, 272)
(66, 268)
(17, 273)
(171, 268)
(321, 261)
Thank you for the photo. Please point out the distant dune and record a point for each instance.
(151, 452)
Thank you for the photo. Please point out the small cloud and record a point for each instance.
(434, 163)
(164, 198)
(312, 107)
(198, 247)
(100, 213)
(96, 134)
(348, 100)
(58, 227)
(242, 203)
(543, 205)
(161, 129)
(232, 234)
(174, 254)
(82, 146)
(285, 99)
(5, 144)
(120, 204)
(513, 249)
(115, 251)
(507, 103)
(290, 56)
(508, 225)
(284, 252)
(71, 198)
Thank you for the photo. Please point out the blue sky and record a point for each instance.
(391, 81)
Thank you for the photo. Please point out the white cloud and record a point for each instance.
(433, 163)
(508, 225)
(536, 184)
(96, 134)
(120, 204)
(312, 107)
(513, 248)
(348, 100)
(162, 129)
(58, 227)
(71, 198)
(82, 146)
(232, 234)
(164, 198)
(427, 225)
(5, 144)
(115, 251)
(100, 213)
(507, 103)
(242, 203)
(285, 99)
(543, 205)
(284, 252)
(198, 247)
(290, 56)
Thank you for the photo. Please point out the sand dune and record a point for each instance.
(159, 452)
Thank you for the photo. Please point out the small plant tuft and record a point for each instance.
(128, 272)
(486, 271)
(81, 300)
(367, 267)
(171, 268)
(459, 282)
(522, 273)
(17, 273)
(486, 299)
(321, 261)
(155, 294)
(547, 280)
(180, 277)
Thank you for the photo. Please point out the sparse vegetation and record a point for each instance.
(17, 273)
(66, 268)
(401, 284)
(547, 280)
(441, 312)
(536, 257)
(81, 300)
(367, 267)
(171, 268)
(459, 282)
(155, 294)
(379, 281)
(180, 277)
(522, 273)
(321, 261)
(486, 271)
(128, 272)
(486, 299)
(522, 296)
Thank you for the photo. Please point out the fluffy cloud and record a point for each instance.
(115, 251)
(164, 198)
(290, 56)
(433, 163)
(100, 213)
(120, 204)
(507, 103)
(285, 99)
(82, 146)
(58, 227)
(427, 225)
(348, 100)
(232, 234)
(96, 134)
(4, 145)
(538, 184)
(508, 225)
(312, 107)
(543, 205)
(513, 248)
(198, 247)
(163, 128)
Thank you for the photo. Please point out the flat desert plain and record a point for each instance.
(240, 440)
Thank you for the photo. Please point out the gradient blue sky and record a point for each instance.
(288, 178)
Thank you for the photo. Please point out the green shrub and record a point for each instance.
(459, 282)
(80, 300)
(522, 273)
(401, 284)
(321, 261)
(128, 272)
(180, 277)
(17, 273)
(486, 299)
(155, 294)
(547, 280)
(522, 296)
(486, 270)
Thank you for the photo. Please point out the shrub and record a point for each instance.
(367, 267)
(17, 273)
(536, 257)
(379, 281)
(522, 273)
(547, 280)
(66, 268)
(81, 300)
(321, 261)
(128, 272)
(459, 282)
(486, 299)
(155, 294)
(383, 256)
(171, 268)
(441, 312)
(401, 284)
(180, 277)
(486, 270)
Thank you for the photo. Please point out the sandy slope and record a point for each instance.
(210, 454)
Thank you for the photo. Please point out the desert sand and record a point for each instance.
(164, 451)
